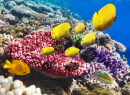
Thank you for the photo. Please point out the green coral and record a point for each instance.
(77, 39)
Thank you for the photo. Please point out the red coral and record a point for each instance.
(28, 50)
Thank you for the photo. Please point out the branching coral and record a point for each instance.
(28, 49)
(105, 60)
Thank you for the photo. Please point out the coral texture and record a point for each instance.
(16, 87)
(105, 60)
(22, 11)
(3, 21)
(28, 49)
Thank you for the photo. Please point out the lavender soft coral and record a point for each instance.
(28, 49)
(105, 60)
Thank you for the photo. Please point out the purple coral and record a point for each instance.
(57, 64)
(105, 60)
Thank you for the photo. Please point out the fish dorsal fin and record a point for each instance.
(7, 64)
(19, 64)
(95, 19)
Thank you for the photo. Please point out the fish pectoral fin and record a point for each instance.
(7, 64)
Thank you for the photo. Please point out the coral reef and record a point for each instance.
(93, 87)
(105, 38)
(3, 21)
(104, 60)
(40, 17)
(16, 87)
(20, 30)
(5, 39)
(117, 46)
(20, 39)
(126, 89)
(21, 11)
(11, 19)
(28, 49)
(77, 40)
(10, 4)
(19, 1)
(44, 8)
(123, 79)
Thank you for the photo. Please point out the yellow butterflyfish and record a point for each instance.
(71, 51)
(88, 39)
(80, 28)
(105, 17)
(61, 31)
(47, 51)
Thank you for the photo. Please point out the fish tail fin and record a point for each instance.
(95, 19)
(7, 64)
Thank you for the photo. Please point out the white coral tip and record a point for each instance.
(10, 93)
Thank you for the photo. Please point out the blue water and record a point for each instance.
(120, 30)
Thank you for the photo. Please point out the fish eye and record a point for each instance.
(95, 39)
(70, 29)
(24, 72)
(77, 54)
(85, 28)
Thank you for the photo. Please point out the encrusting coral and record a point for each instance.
(28, 49)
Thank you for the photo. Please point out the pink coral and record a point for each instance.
(28, 50)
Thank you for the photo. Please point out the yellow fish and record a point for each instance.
(80, 28)
(47, 51)
(107, 45)
(105, 17)
(61, 31)
(71, 51)
(88, 39)
(17, 67)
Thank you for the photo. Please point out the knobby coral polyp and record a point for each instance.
(55, 64)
